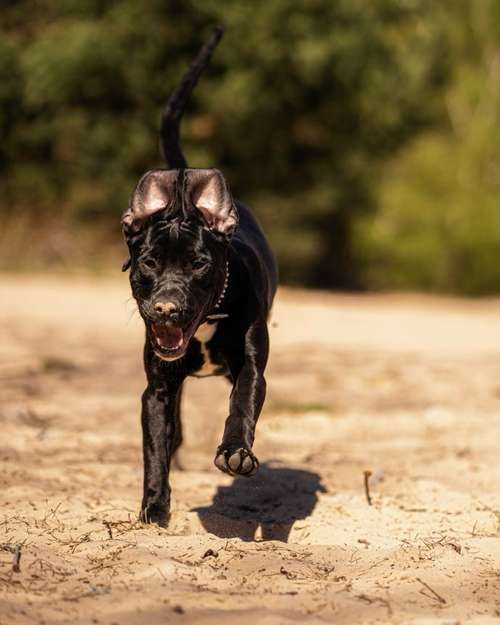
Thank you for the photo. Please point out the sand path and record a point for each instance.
(406, 387)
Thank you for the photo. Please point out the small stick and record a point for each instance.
(367, 475)
(109, 528)
(17, 559)
(381, 600)
(441, 600)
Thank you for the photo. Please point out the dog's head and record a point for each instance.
(177, 228)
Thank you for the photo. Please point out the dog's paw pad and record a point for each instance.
(241, 461)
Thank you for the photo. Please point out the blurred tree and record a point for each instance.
(305, 101)
(438, 227)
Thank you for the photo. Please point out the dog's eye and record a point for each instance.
(199, 265)
(150, 263)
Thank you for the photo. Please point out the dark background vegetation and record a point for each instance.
(364, 133)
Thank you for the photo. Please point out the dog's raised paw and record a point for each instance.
(240, 461)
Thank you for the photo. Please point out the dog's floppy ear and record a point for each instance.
(208, 192)
(155, 191)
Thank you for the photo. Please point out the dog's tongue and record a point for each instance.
(168, 335)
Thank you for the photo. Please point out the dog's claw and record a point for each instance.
(241, 461)
(220, 463)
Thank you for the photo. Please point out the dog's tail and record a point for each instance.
(174, 109)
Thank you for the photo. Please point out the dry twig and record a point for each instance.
(435, 595)
(367, 475)
(108, 526)
(16, 563)
(380, 600)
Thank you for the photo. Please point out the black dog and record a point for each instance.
(204, 279)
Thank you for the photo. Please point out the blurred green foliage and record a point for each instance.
(361, 131)
(438, 223)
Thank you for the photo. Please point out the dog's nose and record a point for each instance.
(165, 308)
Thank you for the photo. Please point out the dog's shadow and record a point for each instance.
(271, 501)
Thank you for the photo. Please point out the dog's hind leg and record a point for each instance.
(159, 423)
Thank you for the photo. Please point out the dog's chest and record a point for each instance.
(204, 335)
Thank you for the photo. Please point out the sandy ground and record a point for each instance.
(406, 387)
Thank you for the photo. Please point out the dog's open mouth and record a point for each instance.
(170, 341)
(168, 336)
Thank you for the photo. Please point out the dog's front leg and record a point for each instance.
(159, 419)
(234, 455)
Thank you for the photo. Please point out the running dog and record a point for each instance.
(204, 278)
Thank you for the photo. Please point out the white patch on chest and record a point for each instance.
(203, 334)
